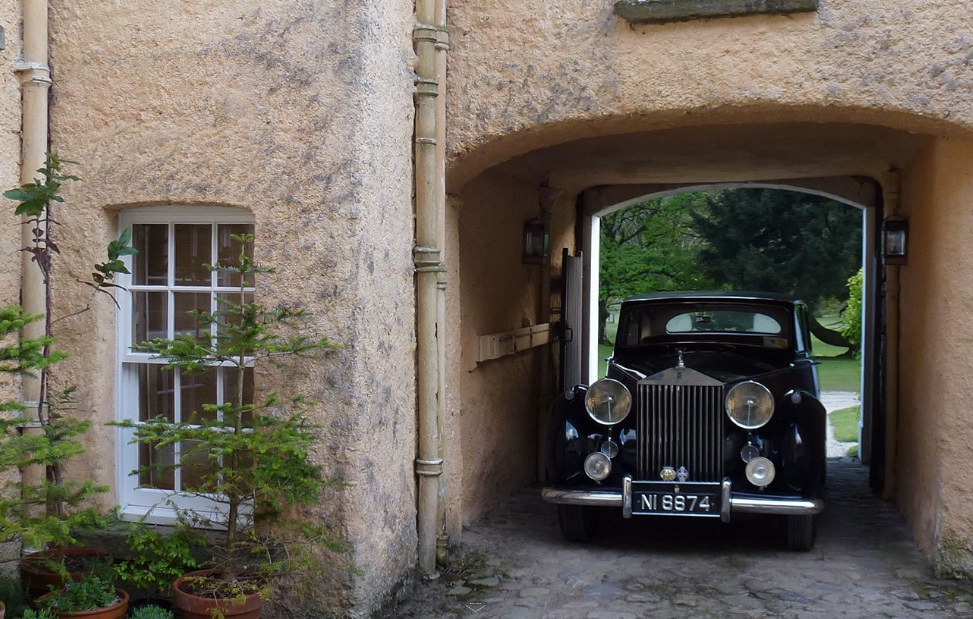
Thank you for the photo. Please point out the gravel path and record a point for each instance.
(835, 400)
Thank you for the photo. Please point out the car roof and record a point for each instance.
(715, 295)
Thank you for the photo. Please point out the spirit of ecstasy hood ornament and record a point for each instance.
(680, 363)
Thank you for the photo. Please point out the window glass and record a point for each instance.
(643, 324)
(724, 321)
(193, 250)
(151, 264)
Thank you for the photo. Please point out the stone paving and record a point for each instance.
(514, 565)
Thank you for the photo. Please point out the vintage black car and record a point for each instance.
(710, 409)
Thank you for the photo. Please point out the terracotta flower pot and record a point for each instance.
(189, 606)
(3, 610)
(115, 611)
(36, 576)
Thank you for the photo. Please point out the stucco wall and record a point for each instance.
(9, 177)
(301, 112)
(9, 150)
(498, 293)
(935, 463)
(587, 72)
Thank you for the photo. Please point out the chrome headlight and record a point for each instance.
(608, 401)
(750, 405)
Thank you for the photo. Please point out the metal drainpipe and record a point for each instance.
(36, 80)
(429, 184)
(442, 46)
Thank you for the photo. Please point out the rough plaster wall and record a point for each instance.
(453, 462)
(921, 388)
(9, 177)
(10, 108)
(935, 463)
(528, 74)
(301, 112)
(498, 294)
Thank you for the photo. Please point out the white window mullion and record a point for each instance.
(177, 417)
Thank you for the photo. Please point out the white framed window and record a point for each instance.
(168, 280)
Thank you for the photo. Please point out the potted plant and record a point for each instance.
(41, 506)
(157, 556)
(256, 454)
(90, 597)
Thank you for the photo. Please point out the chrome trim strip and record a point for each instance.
(771, 505)
(725, 501)
(596, 498)
(627, 496)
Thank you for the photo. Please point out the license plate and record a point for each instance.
(675, 499)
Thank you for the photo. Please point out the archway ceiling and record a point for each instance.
(717, 154)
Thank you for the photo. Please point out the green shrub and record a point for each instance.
(158, 557)
(852, 316)
(90, 593)
(151, 612)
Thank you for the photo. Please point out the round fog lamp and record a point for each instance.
(597, 466)
(760, 472)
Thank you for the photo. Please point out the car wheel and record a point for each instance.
(578, 523)
(801, 532)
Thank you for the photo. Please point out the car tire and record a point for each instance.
(801, 532)
(578, 523)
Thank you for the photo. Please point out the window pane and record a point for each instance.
(228, 302)
(193, 249)
(197, 389)
(231, 389)
(186, 323)
(151, 263)
(195, 463)
(156, 397)
(162, 473)
(150, 316)
(229, 253)
(156, 392)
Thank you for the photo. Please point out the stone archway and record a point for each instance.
(499, 294)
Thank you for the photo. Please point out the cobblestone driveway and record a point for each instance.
(865, 564)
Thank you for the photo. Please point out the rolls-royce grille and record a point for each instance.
(680, 426)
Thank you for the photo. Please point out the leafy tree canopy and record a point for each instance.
(779, 241)
(650, 247)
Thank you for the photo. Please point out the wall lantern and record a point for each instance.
(536, 242)
(895, 240)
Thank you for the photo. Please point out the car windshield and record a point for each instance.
(641, 324)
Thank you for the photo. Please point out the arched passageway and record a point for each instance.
(494, 404)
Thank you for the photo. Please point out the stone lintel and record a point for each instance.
(662, 11)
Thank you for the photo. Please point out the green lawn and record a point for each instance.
(845, 422)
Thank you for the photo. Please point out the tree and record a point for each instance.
(852, 316)
(779, 241)
(648, 247)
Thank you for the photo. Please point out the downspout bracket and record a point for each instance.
(429, 468)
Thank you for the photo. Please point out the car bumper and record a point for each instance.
(730, 503)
